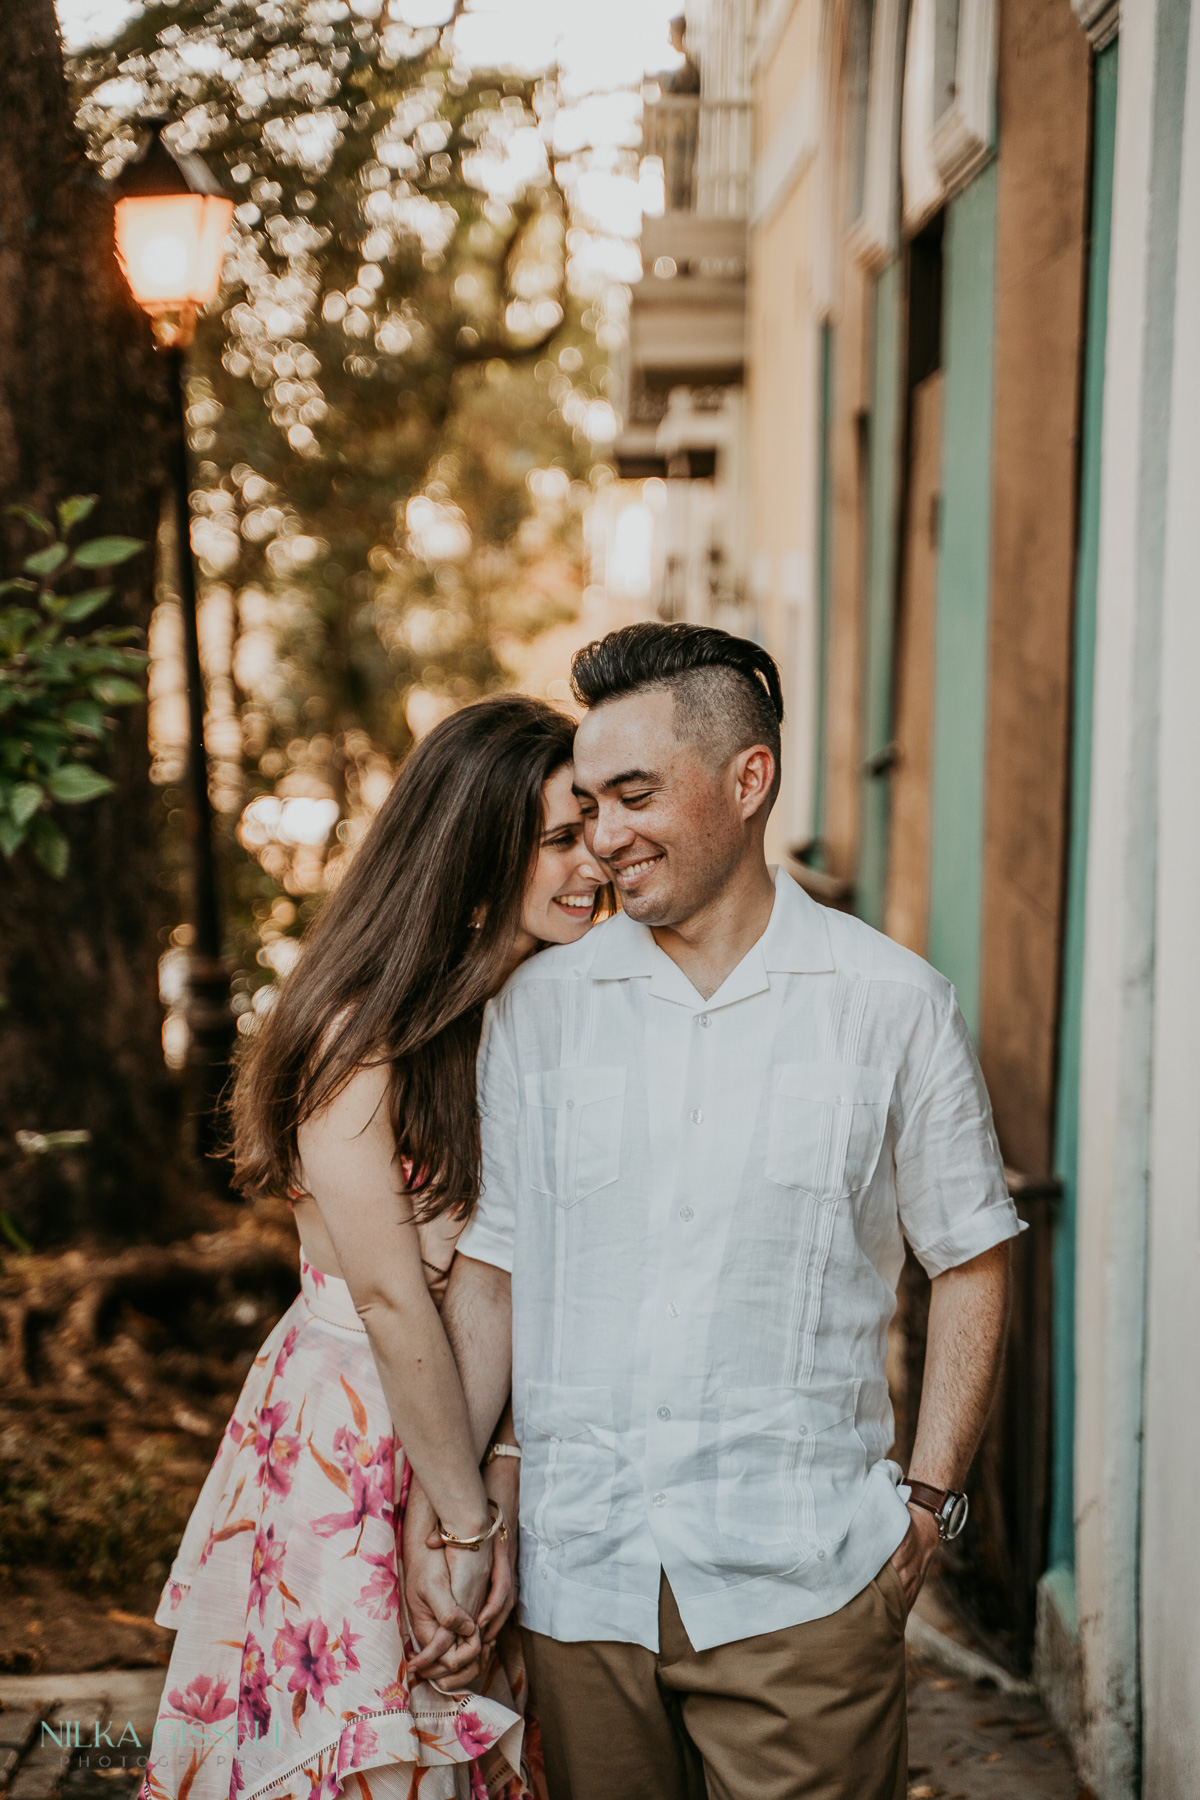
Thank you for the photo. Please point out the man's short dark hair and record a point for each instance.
(727, 690)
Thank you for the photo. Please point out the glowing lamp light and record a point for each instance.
(172, 222)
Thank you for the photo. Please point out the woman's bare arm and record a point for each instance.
(350, 1170)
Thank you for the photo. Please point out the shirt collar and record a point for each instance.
(796, 941)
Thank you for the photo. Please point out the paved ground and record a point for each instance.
(968, 1740)
(62, 1733)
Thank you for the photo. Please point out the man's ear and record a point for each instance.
(754, 772)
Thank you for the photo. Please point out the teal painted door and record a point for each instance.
(1062, 1482)
(824, 540)
(964, 557)
(883, 500)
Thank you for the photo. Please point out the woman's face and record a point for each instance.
(561, 890)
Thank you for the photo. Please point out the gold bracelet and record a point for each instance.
(497, 1528)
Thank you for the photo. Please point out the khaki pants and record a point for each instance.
(816, 1712)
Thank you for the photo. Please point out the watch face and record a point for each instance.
(954, 1515)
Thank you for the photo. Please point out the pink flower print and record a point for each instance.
(394, 1696)
(367, 1501)
(474, 1736)
(175, 1596)
(235, 1430)
(289, 1344)
(359, 1741)
(381, 1596)
(306, 1649)
(478, 1784)
(277, 1454)
(202, 1701)
(254, 1698)
(317, 1275)
(346, 1644)
(325, 1786)
(266, 1567)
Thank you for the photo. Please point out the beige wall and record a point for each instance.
(782, 396)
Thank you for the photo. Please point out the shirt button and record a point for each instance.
(820, 1556)
(697, 1116)
(703, 1019)
(570, 1104)
(673, 1310)
(685, 1212)
(664, 1412)
(802, 1431)
(660, 1499)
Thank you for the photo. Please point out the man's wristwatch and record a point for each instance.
(948, 1508)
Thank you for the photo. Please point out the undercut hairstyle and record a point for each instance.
(727, 691)
(398, 965)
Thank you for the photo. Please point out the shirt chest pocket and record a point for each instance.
(826, 1127)
(573, 1125)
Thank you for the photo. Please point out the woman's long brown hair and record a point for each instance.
(392, 970)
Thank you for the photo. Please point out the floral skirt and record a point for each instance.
(289, 1677)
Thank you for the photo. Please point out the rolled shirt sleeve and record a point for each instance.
(950, 1187)
(488, 1234)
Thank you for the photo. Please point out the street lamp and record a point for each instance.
(172, 222)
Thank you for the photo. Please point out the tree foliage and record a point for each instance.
(59, 688)
(373, 393)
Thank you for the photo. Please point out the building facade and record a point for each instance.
(961, 455)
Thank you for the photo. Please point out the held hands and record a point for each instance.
(443, 1593)
(458, 1600)
(913, 1555)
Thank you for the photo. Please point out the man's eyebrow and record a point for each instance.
(616, 781)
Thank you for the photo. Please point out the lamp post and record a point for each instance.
(172, 222)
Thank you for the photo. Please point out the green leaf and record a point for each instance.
(75, 782)
(74, 510)
(12, 835)
(49, 846)
(85, 715)
(14, 1235)
(31, 518)
(103, 553)
(26, 797)
(18, 584)
(44, 562)
(78, 606)
(115, 690)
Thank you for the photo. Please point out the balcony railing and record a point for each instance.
(703, 147)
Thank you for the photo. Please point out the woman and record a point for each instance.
(357, 1097)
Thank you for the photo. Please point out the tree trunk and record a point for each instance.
(82, 410)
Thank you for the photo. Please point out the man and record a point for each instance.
(707, 1130)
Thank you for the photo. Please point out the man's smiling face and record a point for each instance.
(664, 821)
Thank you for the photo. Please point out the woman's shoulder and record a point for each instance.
(559, 962)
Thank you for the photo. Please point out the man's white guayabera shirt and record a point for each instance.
(703, 1204)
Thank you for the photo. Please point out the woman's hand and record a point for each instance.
(449, 1647)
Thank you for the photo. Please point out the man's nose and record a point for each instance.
(605, 834)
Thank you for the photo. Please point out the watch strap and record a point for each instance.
(933, 1499)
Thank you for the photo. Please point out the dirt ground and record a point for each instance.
(45, 1628)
